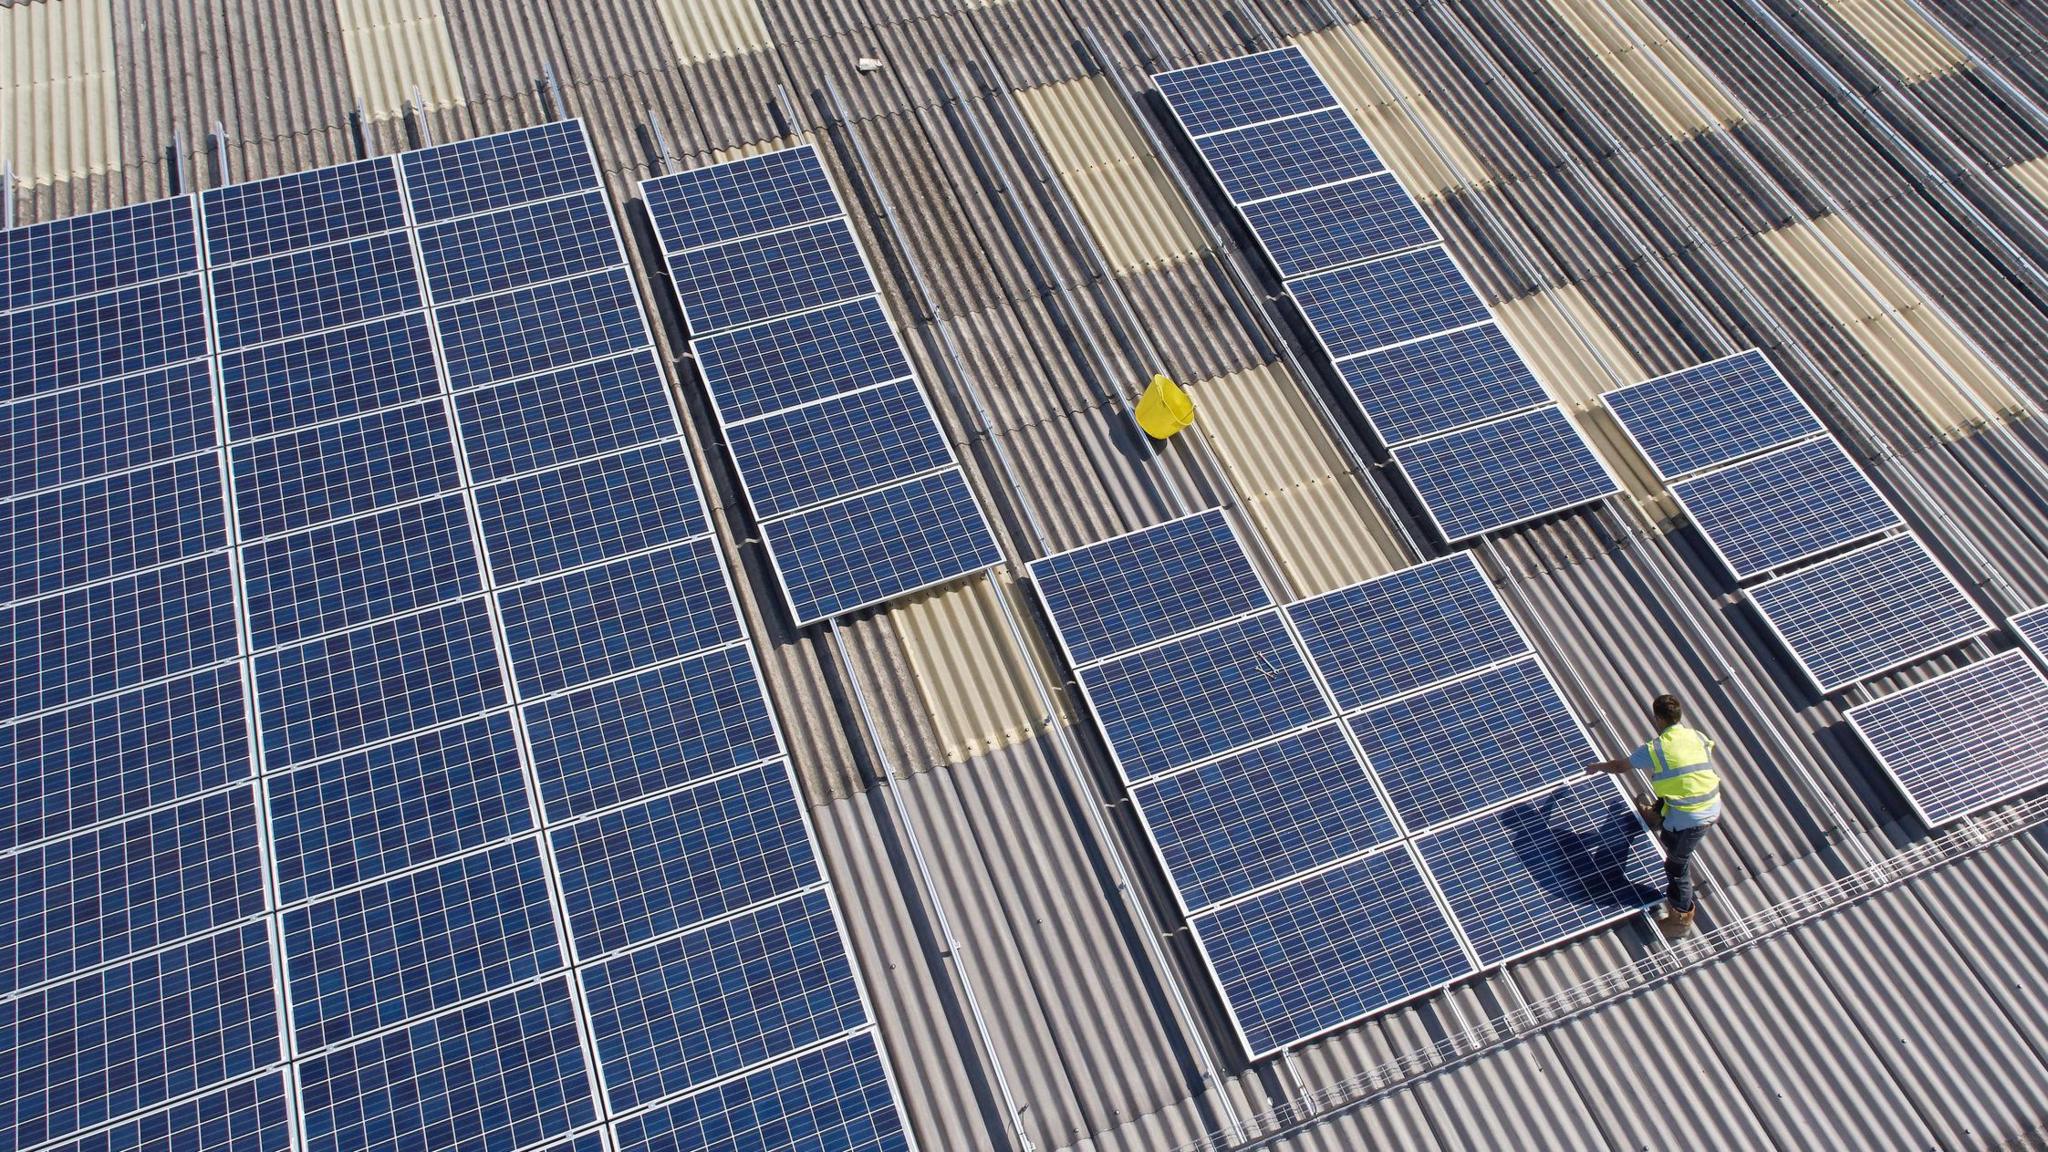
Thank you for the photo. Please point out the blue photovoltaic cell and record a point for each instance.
(675, 861)
(1386, 301)
(501, 1073)
(1491, 476)
(126, 1038)
(598, 622)
(1439, 753)
(1245, 90)
(1328, 949)
(125, 888)
(302, 210)
(584, 513)
(880, 545)
(546, 326)
(354, 818)
(1441, 383)
(328, 375)
(2031, 626)
(81, 255)
(1869, 611)
(81, 433)
(1200, 695)
(471, 176)
(377, 956)
(106, 637)
(1405, 630)
(847, 444)
(106, 758)
(1341, 224)
(1964, 741)
(649, 732)
(1711, 413)
(836, 1097)
(313, 290)
(576, 413)
(96, 337)
(711, 1002)
(336, 470)
(740, 198)
(796, 359)
(1795, 502)
(1544, 870)
(354, 688)
(1289, 155)
(760, 277)
(1126, 592)
(396, 561)
(251, 1116)
(63, 537)
(519, 246)
(1275, 811)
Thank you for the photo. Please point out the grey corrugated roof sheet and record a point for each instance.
(1914, 1018)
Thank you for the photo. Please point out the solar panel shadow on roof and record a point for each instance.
(1789, 504)
(1880, 607)
(1711, 413)
(1492, 476)
(1963, 741)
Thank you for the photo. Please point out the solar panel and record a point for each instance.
(498, 1073)
(1441, 382)
(1769, 511)
(1387, 301)
(1880, 607)
(1407, 629)
(1130, 590)
(302, 210)
(1711, 413)
(1229, 93)
(116, 333)
(400, 560)
(1492, 476)
(81, 255)
(331, 471)
(874, 547)
(1527, 876)
(587, 410)
(351, 819)
(1284, 156)
(641, 872)
(1963, 741)
(1262, 815)
(314, 289)
(472, 176)
(528, 244)
(373, 957)
(88, 432)
(251, 1116)
(663, 1029)
(1440, 754)
(794, 360)
(1339, 224)
(1329, 948)
(850, 443)
(837, 1097)
(743, 197)
(534, 329)
(580, 514)
(761, 277)
(328, 375)
(2031, 626)
(65, 537)
(120, 889)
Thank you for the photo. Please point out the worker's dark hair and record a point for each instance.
(1665, 709)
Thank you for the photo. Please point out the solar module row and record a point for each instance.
(1357, 798)
(513, 735)
(844, 463)
(1472, 430)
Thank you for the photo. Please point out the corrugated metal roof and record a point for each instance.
(1542, 134)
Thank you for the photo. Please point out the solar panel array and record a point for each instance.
(1965, 740)
(1775, 495)
(1358, 798)
(1472, 430)
(856, 487)
(380, 703)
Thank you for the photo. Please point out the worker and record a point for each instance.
(1678, 761)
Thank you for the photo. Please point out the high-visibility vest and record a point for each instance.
(1682, 775)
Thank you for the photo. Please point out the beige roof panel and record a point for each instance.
(1895, 31)
(968, 669)
(1660, 74)
(1407, 152)
(1134, 214)
(708, 29)
(394, 46)
(59, 111)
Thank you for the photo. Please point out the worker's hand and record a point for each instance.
(1610, 767)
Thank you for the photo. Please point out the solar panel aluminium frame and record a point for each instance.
(1878, 537)
(1785, 645)
(2020, 624)
(1578, 434)
(1912, 801)
(1797, 396)
(668, 258)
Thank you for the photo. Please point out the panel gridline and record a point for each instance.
(92, 338)
(533, 329)
(539, 422)
(835, 558)
(83, 255)
(328, 376)
(2031, 626)
(1342, 224)
(1490, 476)
(88, 432)
(761, 277)
(302, 210)
(1442, 382)
(1868, 611)
(596, 510)
(835, 1097)
(516, 247)
(65, 537)
(1964, 741)
(1268, 160)
(794, 360)
(1245, 90)
(1387, 301)
(743, 197)
(1712, 413)
(1130, 590)
(837, 447)
(251, 1116)
(314, 289)
(1786, 505)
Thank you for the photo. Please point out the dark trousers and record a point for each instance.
(1679, 845)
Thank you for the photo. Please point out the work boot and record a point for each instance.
(1674, 924)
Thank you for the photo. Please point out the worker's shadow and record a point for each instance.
(1574, 858)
